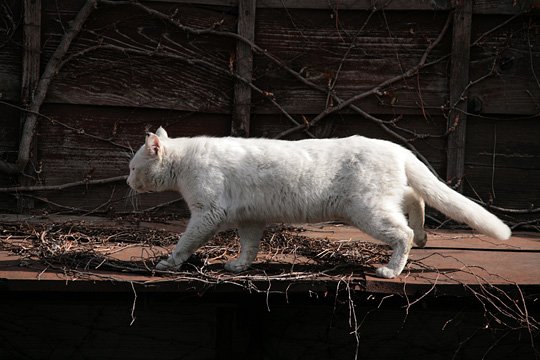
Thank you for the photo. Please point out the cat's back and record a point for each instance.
(262, 150)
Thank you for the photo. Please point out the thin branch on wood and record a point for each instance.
(378, 89)
(62, 186)
(495, 28)
(190, 61)
(50, 71)
(67, 208)
(342, 103)
(79, 131)
(333, 81)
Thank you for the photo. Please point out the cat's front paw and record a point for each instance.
(167, 265)
(385, 272)
(236, 266)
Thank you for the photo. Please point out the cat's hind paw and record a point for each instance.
(168, 265)
(385, 272)
(236, 266)
(420, 239)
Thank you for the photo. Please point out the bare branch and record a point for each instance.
(62, 186)
(51, 69)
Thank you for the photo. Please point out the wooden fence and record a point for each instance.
(457, 82)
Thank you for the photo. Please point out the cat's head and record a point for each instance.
(146, 166)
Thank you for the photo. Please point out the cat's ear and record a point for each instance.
(153, 145)
(162, 133)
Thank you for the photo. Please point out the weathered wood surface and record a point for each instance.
(160, 76)
(30, 78)
(106, 91)
(458, 81)
(305, 39)
(10, 50)
(453, 261)
(480, 6)
(502, 162)
(244, 69)
(9, 141)
(509, 55)
(325, 52)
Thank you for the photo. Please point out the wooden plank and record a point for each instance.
(329, 4)
(151, 79)
(459, 78)
(479, 7)
(495, 264)
(508, 55)
(11, 14)
(312, 42)
(323, 51)
(30, 78)
(508, 7)
(9, 142)
(508, 143)
(244, 67)
(439, 239)
(356, 4)
(502, 163)
(307, 36)
(504, 187)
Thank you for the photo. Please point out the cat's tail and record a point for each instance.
(451, 203)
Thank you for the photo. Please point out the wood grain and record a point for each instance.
(153, 80)
(480, 6)
(459, 78)
(323, 50)
(30, 77)
(244, 68)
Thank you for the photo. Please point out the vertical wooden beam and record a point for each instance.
(30, 78)
(244, 68)
(459, 78)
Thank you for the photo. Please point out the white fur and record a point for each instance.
(248, 183)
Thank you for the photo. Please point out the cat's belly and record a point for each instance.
(289, 209)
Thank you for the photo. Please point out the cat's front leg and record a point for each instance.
(201, 228)
(250, 238)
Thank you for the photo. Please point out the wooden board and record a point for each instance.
(9, 135)
(455, 258)
(325, 50)
(160, 77)
(506, 54)
(513, 147)
(10, 50)
(480, 6)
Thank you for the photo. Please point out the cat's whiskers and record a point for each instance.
(133, 198)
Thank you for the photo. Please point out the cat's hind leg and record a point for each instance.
(250, 238)
(201, 227)
(415, 208)
(390, 227)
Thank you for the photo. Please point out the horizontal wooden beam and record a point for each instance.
(479, 7)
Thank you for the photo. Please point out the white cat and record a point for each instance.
(248, 183)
